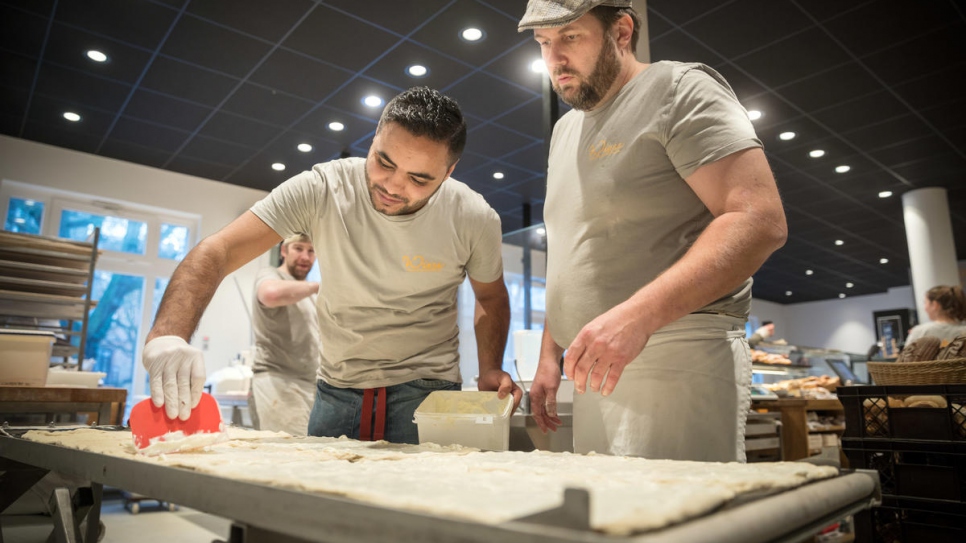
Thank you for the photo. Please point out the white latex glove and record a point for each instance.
(177, 372)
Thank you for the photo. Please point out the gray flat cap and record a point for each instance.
(551, 13)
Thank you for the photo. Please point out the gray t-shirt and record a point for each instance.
(387, 299)
(286, 337)
(946, 331)
(618, 211)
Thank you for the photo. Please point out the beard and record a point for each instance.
(586, 96)
(407, 206)
(296, 272)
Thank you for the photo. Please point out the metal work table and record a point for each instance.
(266, 513)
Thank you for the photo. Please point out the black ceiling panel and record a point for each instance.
(141, 23)
(224, 90)
(258, 101)
(746, 33)
(191, 83)
(269, 21)
(159, 108)
(333, 36)
(299, 74)
(215, 47)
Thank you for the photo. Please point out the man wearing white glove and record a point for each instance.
(395, 237)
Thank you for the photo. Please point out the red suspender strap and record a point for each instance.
(380, 429)
(365, 420)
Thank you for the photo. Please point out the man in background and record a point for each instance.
(286, 358)
(762, 334)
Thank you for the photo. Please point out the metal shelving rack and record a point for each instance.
(45, 284)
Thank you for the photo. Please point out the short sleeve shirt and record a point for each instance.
(618, 211)
(286, 337)
(388, 293)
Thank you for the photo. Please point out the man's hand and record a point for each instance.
(543, 396)
(503, 384)
(603, 348)
(177, 372)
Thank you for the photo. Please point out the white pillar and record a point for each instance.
(929, 234)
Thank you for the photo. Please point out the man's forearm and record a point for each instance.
(730, 250)
(492, 323)
(277, 293)
(190, 291)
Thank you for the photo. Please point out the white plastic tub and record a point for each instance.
(74, 379)
(472, 419)
(25, 357)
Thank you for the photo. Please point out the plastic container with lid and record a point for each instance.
(469, 418)
(25, 357)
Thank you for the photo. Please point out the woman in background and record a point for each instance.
(946, 308)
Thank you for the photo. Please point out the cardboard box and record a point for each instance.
(472, 419)
(25, 357)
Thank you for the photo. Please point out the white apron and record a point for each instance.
(685, 397)
(280, 404)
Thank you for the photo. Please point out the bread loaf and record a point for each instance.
(923, 349)
(955, 349)
(925, 401)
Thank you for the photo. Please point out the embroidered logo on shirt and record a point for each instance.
(420, 264)
(602, 149)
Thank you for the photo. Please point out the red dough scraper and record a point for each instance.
(155, 433)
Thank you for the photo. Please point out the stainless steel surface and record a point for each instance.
(321, 518)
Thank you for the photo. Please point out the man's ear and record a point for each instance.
(452, 167)
(625, 31)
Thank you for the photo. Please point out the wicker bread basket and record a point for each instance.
(936, 372)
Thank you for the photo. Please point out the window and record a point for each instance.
(140, 248)
(117, 233)
(24, 215)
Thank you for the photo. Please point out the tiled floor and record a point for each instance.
(153, 524)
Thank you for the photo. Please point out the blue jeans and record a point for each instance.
(337, 410)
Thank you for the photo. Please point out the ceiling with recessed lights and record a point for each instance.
(229, 90)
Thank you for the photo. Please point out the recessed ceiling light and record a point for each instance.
(754, 114)
(471, 34)
(842, 169)
(372, 101)
(71, 116)
(304, 147)
(538, 66)
(541, 231)
(278, 166)
(839, 242)
(883, 261)
(788, 293)
(885, 194)
(497, 175)
(849, 285)
(816, 153)
(336, 126)
(809, 272)
(841, 295)
(96, 56)
(785, 136)
(417, 70)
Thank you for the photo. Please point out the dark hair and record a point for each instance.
(608, 15)
(950, 299)
(766, 323)
(428, 113)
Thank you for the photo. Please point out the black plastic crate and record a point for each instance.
(869, 413)
(912, 469)
(911, 521)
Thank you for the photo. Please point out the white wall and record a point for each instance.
(843, 325)
(225, 322)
